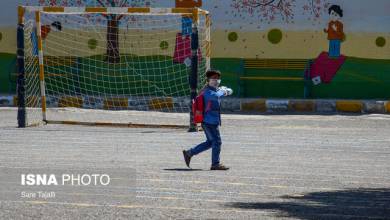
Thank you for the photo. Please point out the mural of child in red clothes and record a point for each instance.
(335, 31)
(187, 21)
(326, 65)
(45, 30)
(183, 41)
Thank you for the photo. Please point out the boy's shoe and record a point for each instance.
(187, 158)
(219, 167)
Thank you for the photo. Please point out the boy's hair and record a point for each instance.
(337, 9)
(211, 73)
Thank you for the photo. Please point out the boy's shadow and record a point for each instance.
(183, 169)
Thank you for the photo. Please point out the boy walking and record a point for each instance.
(212, 94)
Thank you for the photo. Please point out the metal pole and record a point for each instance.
(193, 79)
(21, 90)
(41, 66)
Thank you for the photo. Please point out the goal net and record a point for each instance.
(120, 66)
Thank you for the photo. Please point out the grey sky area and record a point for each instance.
(360, 15)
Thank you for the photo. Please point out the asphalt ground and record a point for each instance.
(282, 167)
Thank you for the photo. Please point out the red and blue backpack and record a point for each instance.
(198, 108)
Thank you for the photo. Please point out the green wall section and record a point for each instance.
(7, 73)
(272, 88)
(139, 75)
(357, 79)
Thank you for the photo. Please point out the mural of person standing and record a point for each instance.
(187, 21)
(326, 65)
(183, 41)
(335, 31)
(45, 30)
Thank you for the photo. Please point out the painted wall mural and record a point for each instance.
(270, 10)
(267, 48)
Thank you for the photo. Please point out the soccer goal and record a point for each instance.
(110, 66)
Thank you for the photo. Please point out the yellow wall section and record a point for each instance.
(294, 45)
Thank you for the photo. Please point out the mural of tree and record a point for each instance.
(316, 9)
(285, 10)
(112, 20)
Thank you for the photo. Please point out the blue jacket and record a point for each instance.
(212, 102)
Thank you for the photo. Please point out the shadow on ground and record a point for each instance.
(183, 169)
(362, 203)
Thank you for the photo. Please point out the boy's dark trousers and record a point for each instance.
(213, 141)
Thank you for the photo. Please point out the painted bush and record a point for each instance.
(164, 45)
(275, 36)
(92, 44)
(233, 36)
(380, 42)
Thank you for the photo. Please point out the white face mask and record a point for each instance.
(214, 82)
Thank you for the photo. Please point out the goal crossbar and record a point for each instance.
(194, 12)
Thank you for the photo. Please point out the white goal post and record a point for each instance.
(111, 66)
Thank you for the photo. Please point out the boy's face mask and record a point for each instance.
(214, 82)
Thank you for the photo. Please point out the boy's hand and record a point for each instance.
(227, 91)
